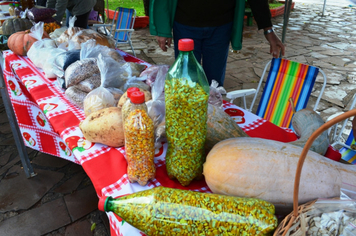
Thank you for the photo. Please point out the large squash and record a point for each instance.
(265, 169)
(21, 42)
(14, 25)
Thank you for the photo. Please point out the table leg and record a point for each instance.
(21, 148)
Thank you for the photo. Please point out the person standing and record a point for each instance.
(213, 25)
(79, 8)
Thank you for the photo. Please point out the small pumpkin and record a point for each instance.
(14, 25)
(21, 42)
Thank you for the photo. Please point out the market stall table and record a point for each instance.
(48, 122)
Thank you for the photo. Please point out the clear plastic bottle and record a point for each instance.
(168, 211)
(186, 97)
(126, 107)
(139, 141)
(12, 9)
(17, 9)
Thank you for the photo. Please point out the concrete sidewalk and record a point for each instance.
(61, 200)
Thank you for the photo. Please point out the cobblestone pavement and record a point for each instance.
(61, 199)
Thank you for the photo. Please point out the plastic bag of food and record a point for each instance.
(117, 93)
(43, 51)
(101, 97)
(215, 96)
(69, 32)
(110, 72)
(76, 96)
(81, 70)
(133, 81)
(90, 83)
(98, 99)
(40, 14)
(58, 32)
(87, 34)
(63, 60)
(91, 49)
(153, 72)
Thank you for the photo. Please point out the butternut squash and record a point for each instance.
(265, 169)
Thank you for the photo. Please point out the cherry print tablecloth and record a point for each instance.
(49, 123)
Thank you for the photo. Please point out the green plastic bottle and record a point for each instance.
(186, 98)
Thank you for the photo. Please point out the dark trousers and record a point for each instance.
(211, 47)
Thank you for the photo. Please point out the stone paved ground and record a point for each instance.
(61, 200)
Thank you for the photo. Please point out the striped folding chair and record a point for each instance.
(287, 89)
(122, 25)
(348, 151)
(339, 131)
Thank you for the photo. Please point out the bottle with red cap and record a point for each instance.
(186, 98)
(139, 141)
(127, 105)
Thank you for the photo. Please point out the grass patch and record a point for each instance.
(136, 4)
(275, 5)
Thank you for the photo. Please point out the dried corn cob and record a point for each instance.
(166, 211)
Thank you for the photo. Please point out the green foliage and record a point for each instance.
(136, 4)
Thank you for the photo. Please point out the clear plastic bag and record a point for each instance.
(100, 97)
(332, 217)
(153, 72)
(63, 60)
(215, 96)
(90, 84)
(157, 108)
(43, 52)
(81, 70)
(69, 32)
(76, 96)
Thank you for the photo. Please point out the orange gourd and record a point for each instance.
(21, 42)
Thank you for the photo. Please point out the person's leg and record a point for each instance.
(215, 50)
(82, 20)
(67, 17)
(182, 31)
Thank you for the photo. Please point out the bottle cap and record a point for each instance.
(129, 91)
(102, 202)
(137, 97)
(186, 45)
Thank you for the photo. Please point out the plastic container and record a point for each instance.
(12, 9)
(186, 98)
(127, 105)
(17, 9)
(139, 141)
(167, 211)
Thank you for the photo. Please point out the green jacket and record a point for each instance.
(162, 17)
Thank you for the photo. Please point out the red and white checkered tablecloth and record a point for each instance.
(49, 123)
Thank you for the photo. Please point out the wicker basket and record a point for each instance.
(295, 224)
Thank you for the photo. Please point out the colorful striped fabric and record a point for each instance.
(348, 154)
(286, 79)
(124, 21)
